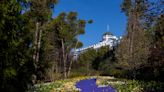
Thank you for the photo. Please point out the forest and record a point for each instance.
(36, 48)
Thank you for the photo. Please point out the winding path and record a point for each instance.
(89, 85)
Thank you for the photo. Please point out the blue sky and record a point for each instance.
(102, 12)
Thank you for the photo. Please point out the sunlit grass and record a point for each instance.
(121, 85)
(66, 85)
(124, 85)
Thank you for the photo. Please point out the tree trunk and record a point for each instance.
(130, 38)
(39, 45)
(70, 66)
(35, 42)
(69, 69)
(64, 58)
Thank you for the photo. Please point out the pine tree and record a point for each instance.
(134, 47)
(66, 28)
(40, 13)
(16, 64)
(85, 61)
(157, 49)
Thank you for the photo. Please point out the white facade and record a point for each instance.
(107, 40)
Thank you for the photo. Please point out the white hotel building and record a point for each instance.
(107, 40)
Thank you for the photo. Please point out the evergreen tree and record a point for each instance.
(85, 61)
(16, 64)
(101, 54)
(41, 13)
(134, 47)
(157, 49)
(66, 28)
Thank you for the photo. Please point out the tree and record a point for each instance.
(157, 49)
(102, 54)
(85, 60)
(17, 25)
(16, 64)
(135, 44)
(40, 13)
(66, 28)
(95, 60)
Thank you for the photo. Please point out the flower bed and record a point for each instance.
(123, 85)
(66, 85)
